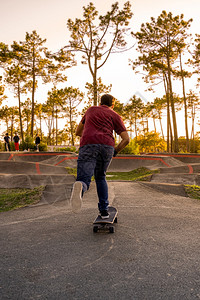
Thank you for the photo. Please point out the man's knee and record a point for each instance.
(99, 177)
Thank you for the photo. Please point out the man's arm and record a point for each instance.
(79, 129)
(125, 140)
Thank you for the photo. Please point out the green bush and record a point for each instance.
(151, 142)
(29, 143)
(131, 148)
(1, 146)
(69, 149)
(42, 147)
(194, 145)
(12, 146)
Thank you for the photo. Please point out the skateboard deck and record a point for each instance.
(102, 224)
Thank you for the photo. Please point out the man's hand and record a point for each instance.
(125, 140)
(115, 153)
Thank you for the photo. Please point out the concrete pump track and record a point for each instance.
(49, 252)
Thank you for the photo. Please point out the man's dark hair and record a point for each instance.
(107, 99)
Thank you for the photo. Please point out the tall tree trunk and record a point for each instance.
(53, 120)
(33, 95)
(33, 107)
(49, 130)
(12, 124)
(49, 126)
(135, 121)
(131, 127)
(56, 126)
(154, 123)
(27, 124)
(7, 123)
(20, 114)
(172, 99)
(168, 109)
(161, 127)
(176, 148)
(95, 81)
(168, 123)
(40, 125)
(71, 125)
(143, 125)
(185, 106)
(171, 137)
(192, 130)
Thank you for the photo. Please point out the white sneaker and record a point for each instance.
(76, 196)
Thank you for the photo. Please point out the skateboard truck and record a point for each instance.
(100, 224)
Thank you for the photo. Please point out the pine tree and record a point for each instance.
(97, 41)
(159, 43)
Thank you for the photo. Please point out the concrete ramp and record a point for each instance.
(121, 163)
(184, 158)
(175, 178)
(64, 161)
(186, 168)
(32, 156)
(129, 163)
(12, 167)
(57, 187)
(195, 168)
(31, 181)
(55, 193)
(180, 169)
(26, 171)
(5, 155)
(29, 170)
(174, 189)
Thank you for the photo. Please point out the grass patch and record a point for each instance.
(193, 191)
(72, 171)
(142, 174)
(15, 198)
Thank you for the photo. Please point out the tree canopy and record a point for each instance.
(165, 55)
(97, 39)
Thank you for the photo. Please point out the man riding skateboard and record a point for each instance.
(97, 147)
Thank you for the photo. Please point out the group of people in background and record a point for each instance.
(16, 140)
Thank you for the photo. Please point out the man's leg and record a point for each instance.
(103, 161)
(85, 169)
(76, 196)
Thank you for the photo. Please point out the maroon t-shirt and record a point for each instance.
(99, 123)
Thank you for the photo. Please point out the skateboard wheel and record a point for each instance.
(115, 221)
(111, 229)
(95, 229)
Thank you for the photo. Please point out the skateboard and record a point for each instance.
(106, 224)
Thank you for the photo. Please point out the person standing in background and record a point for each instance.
(37, 142)
(16, 141)
(7, 142)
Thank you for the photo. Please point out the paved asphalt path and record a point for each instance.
(47, 252)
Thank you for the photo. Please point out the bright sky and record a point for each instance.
(49, 18)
